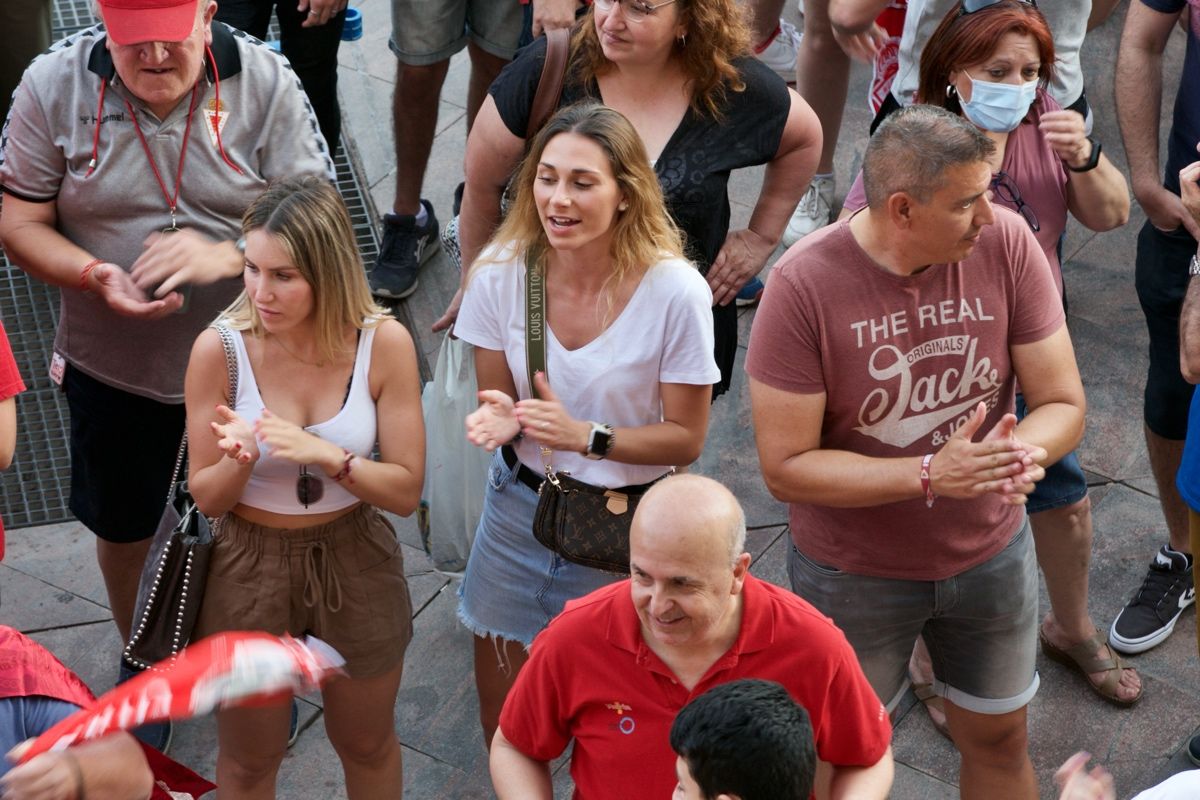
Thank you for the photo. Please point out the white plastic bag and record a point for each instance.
(455, 470)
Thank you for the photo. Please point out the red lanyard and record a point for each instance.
(172, 199)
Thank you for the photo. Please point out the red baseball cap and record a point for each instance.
(134, 21)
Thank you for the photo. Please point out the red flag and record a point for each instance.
(237, 668)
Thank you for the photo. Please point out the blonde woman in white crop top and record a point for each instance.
(284, 463)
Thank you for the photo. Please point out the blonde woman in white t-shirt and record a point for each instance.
(629, 343)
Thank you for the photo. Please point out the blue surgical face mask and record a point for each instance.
(998, 107)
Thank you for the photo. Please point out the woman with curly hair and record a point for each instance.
(681, 71)
(628, 355)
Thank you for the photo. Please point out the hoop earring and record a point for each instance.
(950, 91)
(682, 41)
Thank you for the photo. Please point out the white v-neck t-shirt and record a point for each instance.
(663, 335)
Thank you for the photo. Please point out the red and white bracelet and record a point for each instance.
(926, 483)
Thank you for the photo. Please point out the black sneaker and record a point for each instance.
(1148, 619)
(405, 247)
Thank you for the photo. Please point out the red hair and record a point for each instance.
(965, 39)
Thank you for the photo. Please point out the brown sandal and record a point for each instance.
(1081, 658)
(933, 702)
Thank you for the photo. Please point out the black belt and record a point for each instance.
(524, 474)
(534, 481)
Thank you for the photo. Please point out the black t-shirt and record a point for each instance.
(694, 166)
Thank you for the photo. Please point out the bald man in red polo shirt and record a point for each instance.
(615, 667)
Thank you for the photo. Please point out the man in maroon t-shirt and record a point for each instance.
(883, 363)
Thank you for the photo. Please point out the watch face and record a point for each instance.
(600, 442)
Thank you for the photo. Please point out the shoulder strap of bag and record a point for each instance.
(549, 90)
(535, 323)
(231, 366)
(231, 360)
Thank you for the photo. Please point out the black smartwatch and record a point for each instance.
(600, 441)
(1091, 162)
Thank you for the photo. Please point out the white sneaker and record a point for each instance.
(812, 212)
(780, 53)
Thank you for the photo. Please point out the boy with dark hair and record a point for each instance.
(744, 740)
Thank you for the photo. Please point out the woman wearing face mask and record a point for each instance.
(990, 61)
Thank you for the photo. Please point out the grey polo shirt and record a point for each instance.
(267, 130)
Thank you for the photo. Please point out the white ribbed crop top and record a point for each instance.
(272, 484)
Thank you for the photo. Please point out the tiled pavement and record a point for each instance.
(52, 589)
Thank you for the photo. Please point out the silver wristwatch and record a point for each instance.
(1194, 266)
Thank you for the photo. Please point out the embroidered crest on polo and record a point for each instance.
(216, 113)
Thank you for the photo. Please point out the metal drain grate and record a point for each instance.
(35, 490)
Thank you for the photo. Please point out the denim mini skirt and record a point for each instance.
(513, 585)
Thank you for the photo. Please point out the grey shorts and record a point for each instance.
(428, 31)
(980, 626)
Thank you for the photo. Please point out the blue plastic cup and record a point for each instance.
(352, 30)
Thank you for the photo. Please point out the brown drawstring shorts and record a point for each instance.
(342, 582)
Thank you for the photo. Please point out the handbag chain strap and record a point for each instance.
(535, 342)
(232, 370)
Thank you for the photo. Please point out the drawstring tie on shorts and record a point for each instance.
(321, 584)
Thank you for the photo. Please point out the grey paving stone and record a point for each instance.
(437, 711)
(62, 555)
(771, 566)
(912, 784)
(730, 455)
(91, 651)
(28, 604)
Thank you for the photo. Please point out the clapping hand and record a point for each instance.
(997, 463)
(234, 436)
(494, 422)
(124, 297)
(173, 261)
(547, 422)
(289, 441)
(1076, 784)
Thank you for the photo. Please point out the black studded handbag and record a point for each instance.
(172, 584)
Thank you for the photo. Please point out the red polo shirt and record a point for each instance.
(591, 678)
(10, 385)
